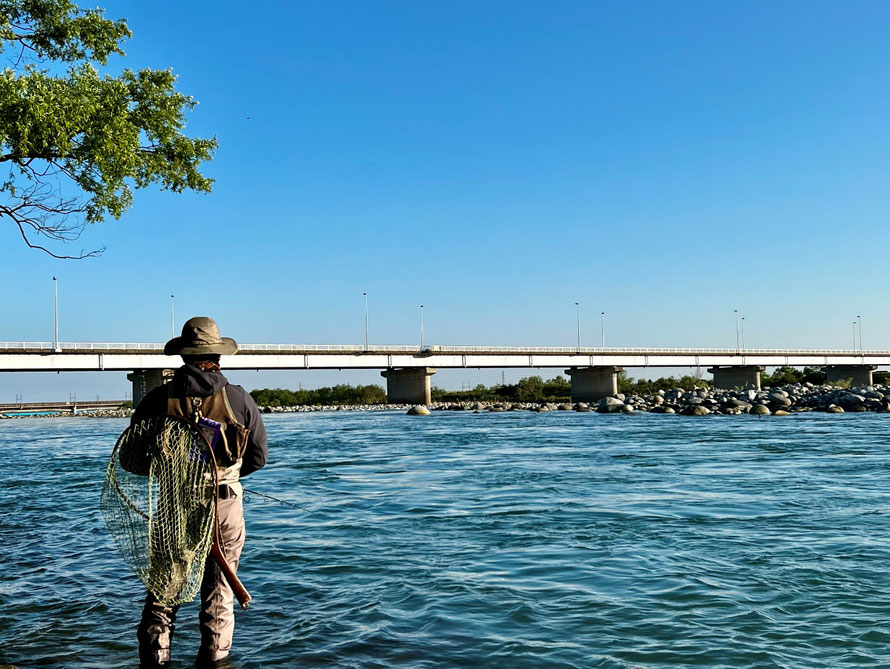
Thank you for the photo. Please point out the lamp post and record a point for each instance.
(603, 327)
(859, 318)
(366, 320)
(743, 333)
(421, 327)
(578, 318)
(738, 341)
(56, 346)
(172, 319)
(854, 336)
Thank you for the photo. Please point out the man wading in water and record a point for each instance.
(199, 386)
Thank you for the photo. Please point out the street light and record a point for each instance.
(366, 320)
(859, 318)
(854, 336)
(578, 316)
(421, 327)
(738, 341)
(743, 333)
(603, 327)
(56, 346)
(172, 319)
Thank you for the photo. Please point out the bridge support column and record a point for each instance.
(859, 375)
(146, 380)
(740, 376)
(591, 384)
(408, 386)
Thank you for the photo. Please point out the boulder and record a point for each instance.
(760, 410)
(610, 405)
(780, 412)
(779, 398)
(850, 400)
(418, 410)
(834, 408)
(695, 410)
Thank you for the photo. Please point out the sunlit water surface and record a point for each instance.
(488, 540)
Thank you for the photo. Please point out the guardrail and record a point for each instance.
(83, 404)
(78, 346)
(83, 347)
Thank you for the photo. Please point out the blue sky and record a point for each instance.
(497, 162)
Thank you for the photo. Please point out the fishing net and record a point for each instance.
(159, 502)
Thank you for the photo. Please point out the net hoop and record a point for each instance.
(159, 503)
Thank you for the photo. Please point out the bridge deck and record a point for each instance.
(87, 405)
(40, 356)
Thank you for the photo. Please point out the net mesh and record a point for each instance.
(159, 502)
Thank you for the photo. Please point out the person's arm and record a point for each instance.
(153, 404)
(257, 450)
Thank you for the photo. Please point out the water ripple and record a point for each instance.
(488, 540)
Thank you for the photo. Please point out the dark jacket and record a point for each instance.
(189, 381)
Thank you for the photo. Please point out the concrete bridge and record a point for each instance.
(72, 407)
(407, 369)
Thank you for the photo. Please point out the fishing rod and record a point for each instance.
(271, 499)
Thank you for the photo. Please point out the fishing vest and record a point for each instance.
(233, 436)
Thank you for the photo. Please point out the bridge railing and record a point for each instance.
(81, 347)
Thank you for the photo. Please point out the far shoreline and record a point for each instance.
(699, 401)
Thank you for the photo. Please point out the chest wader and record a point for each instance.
(217, 615)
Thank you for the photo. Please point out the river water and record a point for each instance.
(488, 540)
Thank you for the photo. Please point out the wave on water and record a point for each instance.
(487, 540)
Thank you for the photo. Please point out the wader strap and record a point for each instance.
(229, 413)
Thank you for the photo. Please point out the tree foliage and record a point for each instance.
(76, 142)
(528, 389)
(341, 394)
(630, 386)
(785, 375)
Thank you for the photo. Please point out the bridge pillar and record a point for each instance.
(739, 376)
(591, 384)
(859, 375)
(408, 386)
(146, 380)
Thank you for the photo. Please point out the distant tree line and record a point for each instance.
(785, 376)
(781, 376)
(527, 389)
(630, 386)
(341, 394)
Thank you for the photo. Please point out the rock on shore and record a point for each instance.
(705, 401)
(780, 401)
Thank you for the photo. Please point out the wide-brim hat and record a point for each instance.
(200, 336)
